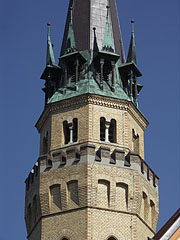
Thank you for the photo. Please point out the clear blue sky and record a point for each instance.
(22, 60)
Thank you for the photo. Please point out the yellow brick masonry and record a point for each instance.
(88, 219)
(97, 222)
(89, 114)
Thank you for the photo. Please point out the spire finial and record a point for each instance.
(71, 8)
(132, 22)
(132, 47)
(108, 44)
(50, 60)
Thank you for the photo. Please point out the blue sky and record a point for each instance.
(22, 60)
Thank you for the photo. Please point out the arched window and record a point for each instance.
(55, 197)
(75, 130)
(103, 193)
(102, 128)
(64, 239)
(112, 131)
(70, 128)
(66, 132)
(73, 195)
(122, 196)
(135, 141)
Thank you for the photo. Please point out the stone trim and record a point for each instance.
(95, 100)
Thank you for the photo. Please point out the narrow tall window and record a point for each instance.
(75, 130)
(152, 212)
(102, 128)
(122, 196)
(135, 141)
(112, 131)
(73, 196)
(66, 132)
(55, 197)
(103, 193)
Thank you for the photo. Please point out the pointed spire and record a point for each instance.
(132, 47)
(108, 44)
(70, 44)
(50, 60)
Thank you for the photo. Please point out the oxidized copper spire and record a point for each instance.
(89, 14)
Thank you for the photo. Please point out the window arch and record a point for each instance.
(64, 238)
(121, 196)
(135, 141)
(73, 195)
(55, 197)
(112, 131)
(75, 130)
(103, 193)
(70, 129)
(102, 128)
(66, 132)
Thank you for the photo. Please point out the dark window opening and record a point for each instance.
(75, 130)
(112, 131)
(112, 238)
(66, 132)
(102, 128)
(64, 239)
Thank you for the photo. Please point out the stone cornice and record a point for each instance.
(85, 99)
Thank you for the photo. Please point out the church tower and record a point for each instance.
(91, 181)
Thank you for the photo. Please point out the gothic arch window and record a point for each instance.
(121, 196)
(55, 197)
(70, 129)
(112, 131)
(135, 141)
(73, 195)
(102, 128)
(103, 193)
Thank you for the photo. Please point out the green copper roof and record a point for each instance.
(132, 47)
(108, 44)
(70, 44)
(50, 60)
(92, 59)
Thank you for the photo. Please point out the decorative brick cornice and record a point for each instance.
(75, 102)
